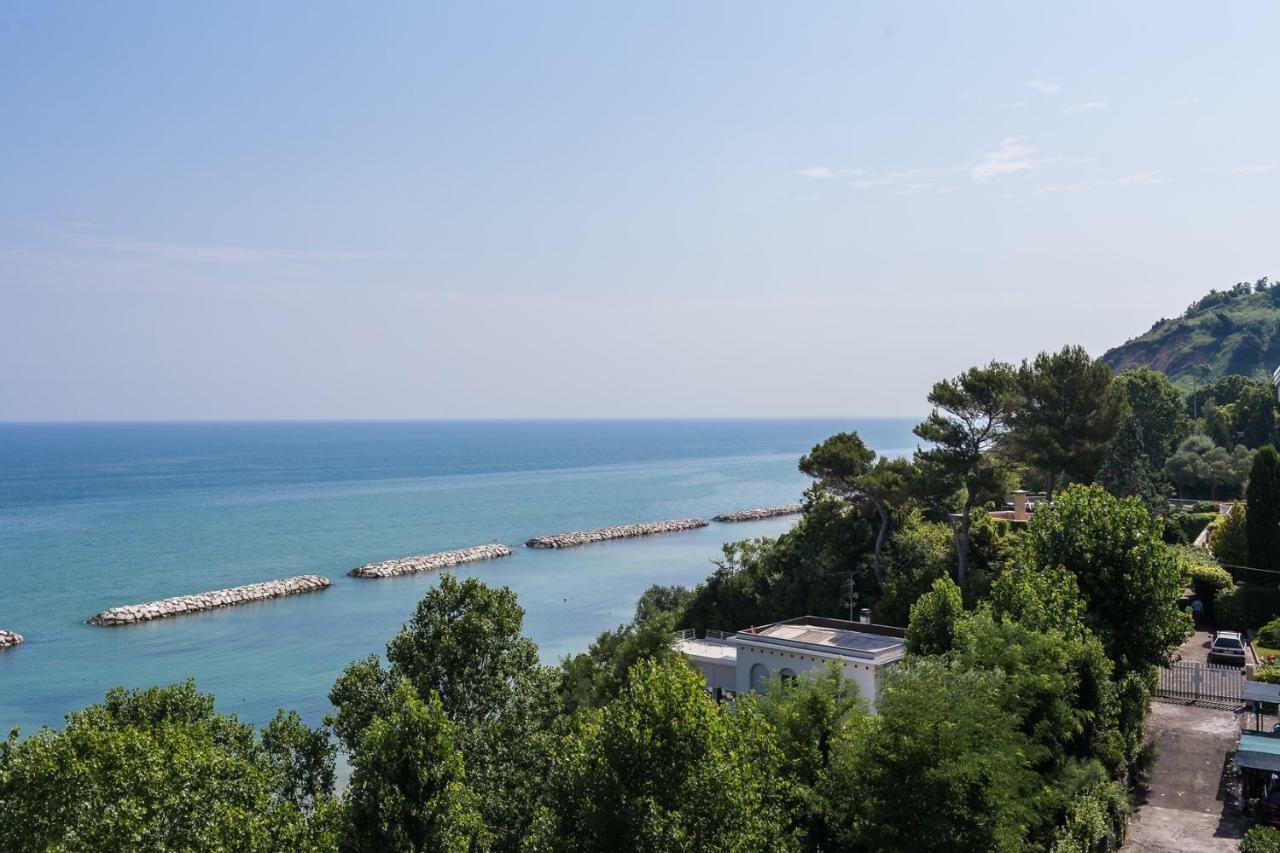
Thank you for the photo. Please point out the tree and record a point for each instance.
(593, 678)
(408, 783)
(1229, 537)
(846, 467)
(1201, 467)
(809, 715)
(942, 767)
(155, 769)
(1253, 415)
(664, 767)
(1262, 518)
(464, 644)
(970, 417)
(1070, 410)
(1158, 409)
(1125, 472)
(1129, 580)
(933, 619)
(805, 570)
(658, 600)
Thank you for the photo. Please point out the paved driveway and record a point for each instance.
(1186, 806)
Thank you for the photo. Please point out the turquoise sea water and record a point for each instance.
(97, 515)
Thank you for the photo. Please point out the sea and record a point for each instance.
(104, 514)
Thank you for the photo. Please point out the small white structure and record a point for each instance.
(744, 660)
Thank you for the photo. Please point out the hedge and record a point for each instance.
(1182, 528)
(1095, 821)
(1261, 839)
(1244, 607)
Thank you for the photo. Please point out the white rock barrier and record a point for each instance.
(9, 639)
(178, 605)
(626, 531)
(763, 512)
(430, 562)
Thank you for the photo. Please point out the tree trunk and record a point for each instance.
(1050, 480)
(962, 542)
(880, 537)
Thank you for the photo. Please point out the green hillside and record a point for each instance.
(1226, 332)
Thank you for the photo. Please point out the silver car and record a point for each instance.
(1227, 648)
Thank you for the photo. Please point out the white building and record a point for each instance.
(742, 661)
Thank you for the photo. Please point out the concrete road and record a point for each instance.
(1186, 806)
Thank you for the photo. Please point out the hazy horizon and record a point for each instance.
(318, 212)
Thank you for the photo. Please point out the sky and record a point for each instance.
(505, 210)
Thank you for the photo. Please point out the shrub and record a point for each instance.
(1269, 634)
(1182, 528)
(1203, 571)
(1261, 839)
(1228, 538)
(1204, 506)
(1095, 821)
(1266, 674)
(1245, 606)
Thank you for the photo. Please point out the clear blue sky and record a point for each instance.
(300, 210)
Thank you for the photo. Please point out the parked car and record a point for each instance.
(1227, 648)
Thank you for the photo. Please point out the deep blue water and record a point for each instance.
(97, 515)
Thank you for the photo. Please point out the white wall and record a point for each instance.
(862, 673)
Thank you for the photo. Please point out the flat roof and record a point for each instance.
(709, 650)
(1259, 750)
(833, 636)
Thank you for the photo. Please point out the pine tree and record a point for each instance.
(1262, 518)
(1126, 471)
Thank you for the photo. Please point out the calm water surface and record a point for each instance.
(93, 516)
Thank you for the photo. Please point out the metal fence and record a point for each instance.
(1199, 681)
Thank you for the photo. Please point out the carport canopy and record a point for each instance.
(1259, 751)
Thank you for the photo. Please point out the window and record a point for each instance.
(788, 676)
(759, 672)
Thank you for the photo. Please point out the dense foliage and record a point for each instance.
(158, 769)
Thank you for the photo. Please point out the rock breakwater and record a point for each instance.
(625, 531)
(430, 562)
(9, 639)
(763, 512)
(176, 606)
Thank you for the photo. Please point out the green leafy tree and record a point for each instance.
(1215, 422)
(592, 678)
(658, 600)
(665, 768)
(1070, 410)
(1229, 537)
(1058, 684)
(805, 570)
(1158, 408)
(1129, 580)
(302, 759)
(1200, 467)
(919, 553)
(809, 714)
(931, 630)
(943, 767)
(846, 467)
(408, 788)
(1041, 598)
(1262, 518)
(464, 644)
(158, 769)
(1126, 471)
(1253, 415)
(969, 419)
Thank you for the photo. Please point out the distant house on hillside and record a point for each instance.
(734, 663)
